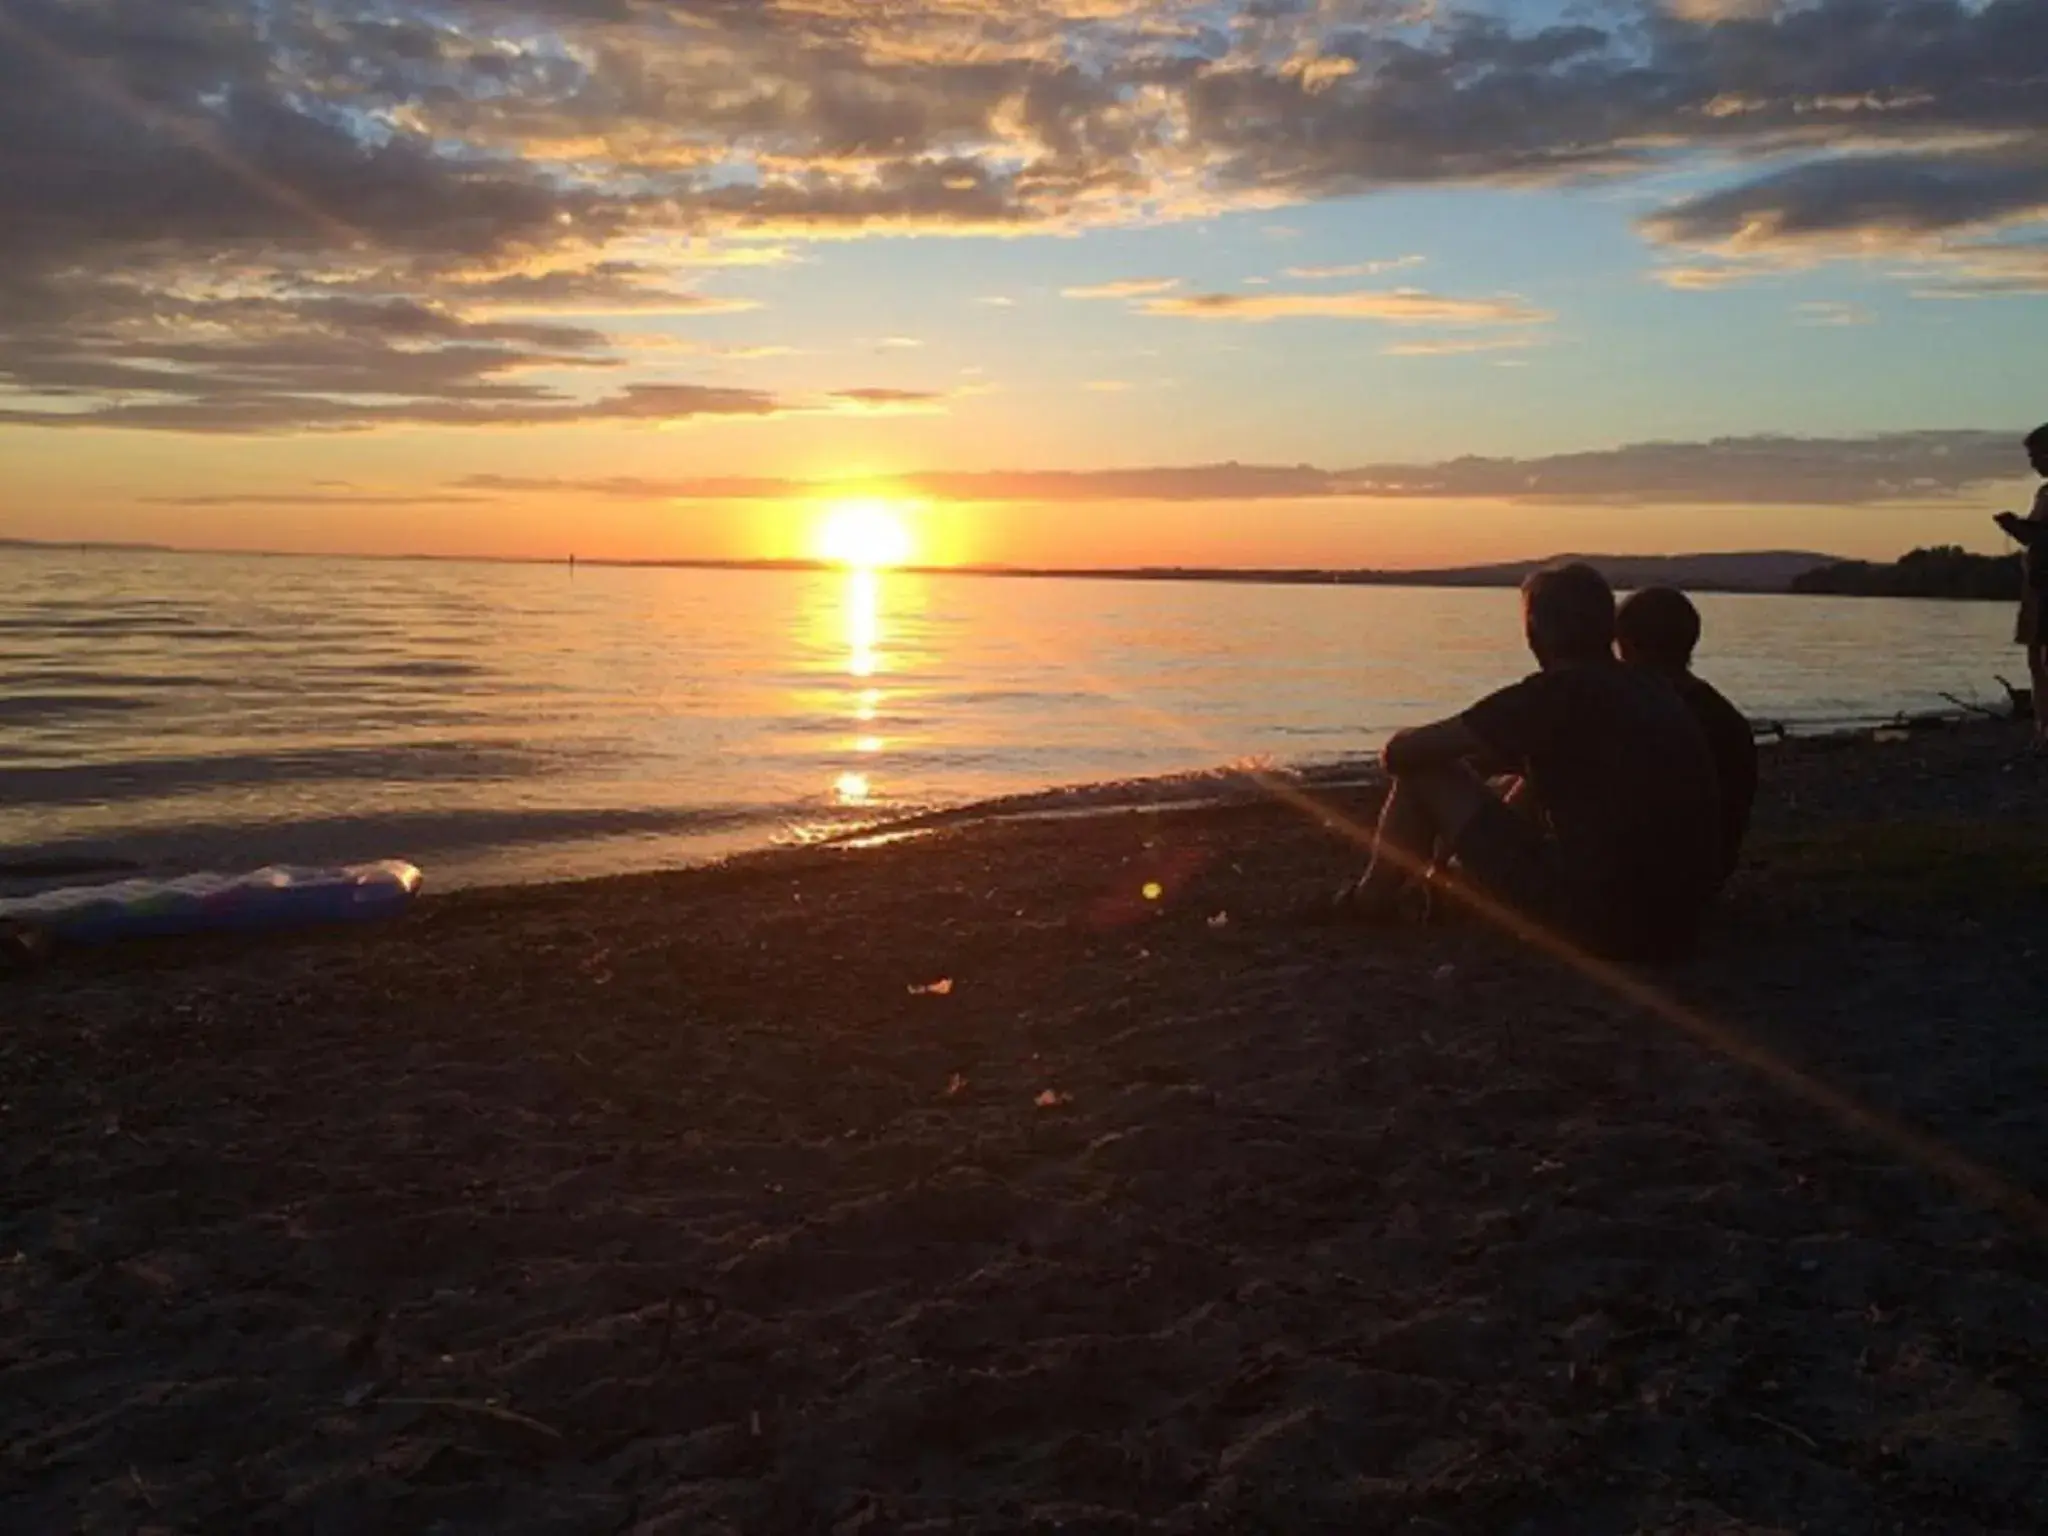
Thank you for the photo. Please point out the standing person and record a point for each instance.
(2032, 534)
(1659, 628)
(1615, 848)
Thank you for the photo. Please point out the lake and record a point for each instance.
(506, 723)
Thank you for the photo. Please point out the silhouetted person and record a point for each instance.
(1659, 628)
(2032, 534)
(1613, 842)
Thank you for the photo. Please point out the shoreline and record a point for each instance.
(957, 1184)
(89, 861)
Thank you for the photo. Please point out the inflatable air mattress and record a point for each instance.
(277, 897)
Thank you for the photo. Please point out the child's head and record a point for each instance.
(2037, 450)
(1657, 627)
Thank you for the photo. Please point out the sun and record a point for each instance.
(866, 535)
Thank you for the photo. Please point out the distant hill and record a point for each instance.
(1772, 570)
(1740, 571)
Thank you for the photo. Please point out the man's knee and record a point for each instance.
(1449, 797)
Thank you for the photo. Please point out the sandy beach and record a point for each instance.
(956, 1185)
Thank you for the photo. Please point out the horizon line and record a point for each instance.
(1250, 575)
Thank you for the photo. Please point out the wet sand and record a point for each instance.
(954, 1185)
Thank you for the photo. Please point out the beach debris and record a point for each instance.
(955, 1086)
(1051, 1099)
(1220, 920)
(1153, 890)
(943, 987)
(487, 1411)
(1444, 972)
(1790, 1430)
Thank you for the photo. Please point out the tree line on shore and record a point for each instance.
(1943, 571)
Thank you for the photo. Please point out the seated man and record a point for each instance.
(1659, 628)
(1614, 845)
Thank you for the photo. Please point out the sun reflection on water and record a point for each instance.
(864, 622)
(865, 659)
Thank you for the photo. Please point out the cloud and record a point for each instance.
(1987, 270)
(1706, 277)
(1397, 306)
(1107, 386)
(1833, 313)
(1711, 11)
(632, 487)
(1934, 209)
(1356, 269)
(1462, 346)
(486, 158)
(1123, 288)
(891, 400)
(314, 499)
(1735, 471)
(261, 413)
(602, 288)
(1894, 199)
(1472, 97)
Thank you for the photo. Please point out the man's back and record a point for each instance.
(1732, 743)
(1624, 774)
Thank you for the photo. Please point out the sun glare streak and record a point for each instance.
(867, 535)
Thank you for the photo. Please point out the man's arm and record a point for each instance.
(1432, 746)
(2024, 530)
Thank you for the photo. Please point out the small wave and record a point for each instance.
(426, 838)
(40, 708)
(162, 777)
(429, 669)
(133, 682)
(168, 626)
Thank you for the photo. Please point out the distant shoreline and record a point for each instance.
(1761, 571)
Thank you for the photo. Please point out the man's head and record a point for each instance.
(1657, 627)
(2037, 450)
(1568, 614)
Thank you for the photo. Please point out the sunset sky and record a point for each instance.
(1291, 282)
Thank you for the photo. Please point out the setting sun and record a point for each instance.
(866, 535)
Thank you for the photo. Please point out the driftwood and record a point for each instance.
(1971, 707)
(2022, 700)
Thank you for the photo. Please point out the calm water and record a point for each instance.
(506, 723)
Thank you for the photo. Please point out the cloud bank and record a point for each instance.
(1735, 471)
(192, 191)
